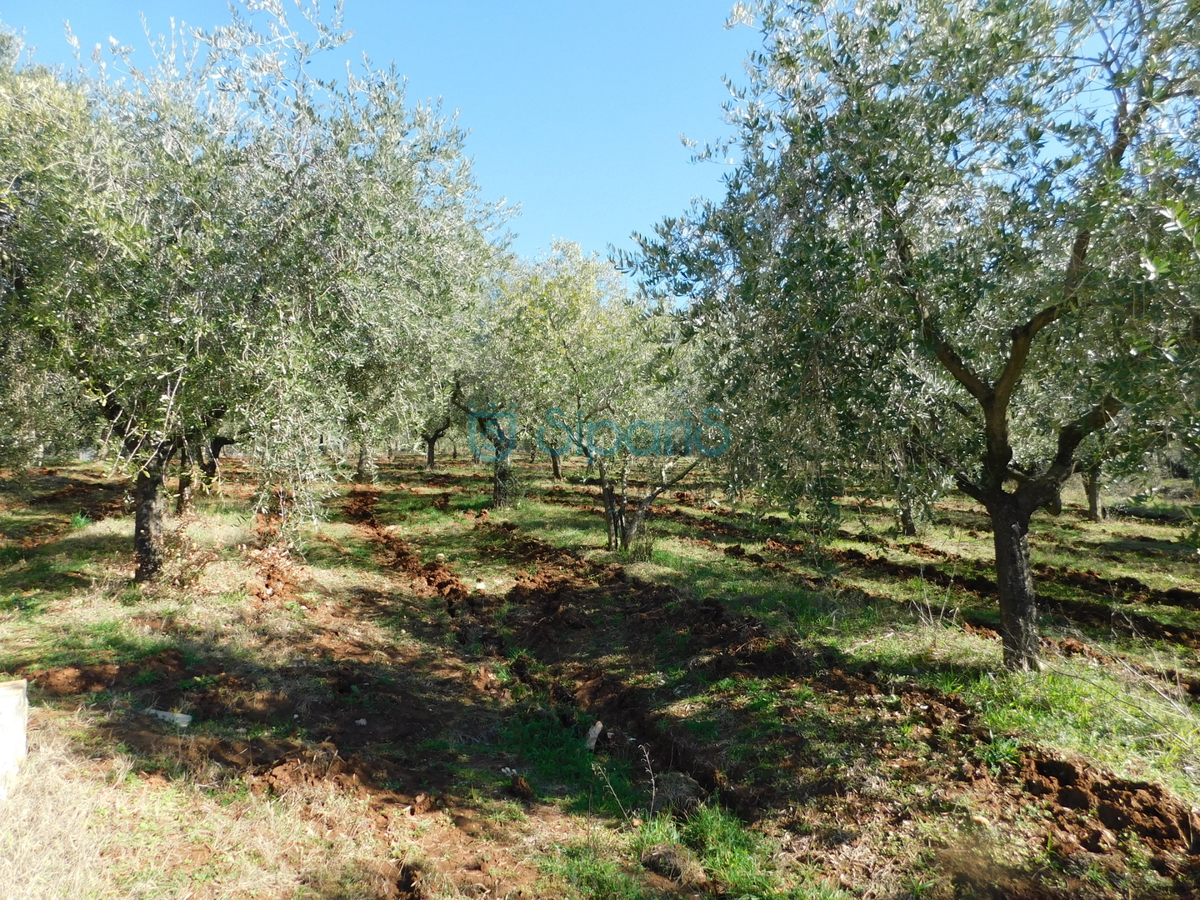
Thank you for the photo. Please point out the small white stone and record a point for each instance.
(360, 722)
(181, 719)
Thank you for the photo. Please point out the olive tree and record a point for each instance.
(41, 410)
(246, 247)
(568, 358)
(945, 242)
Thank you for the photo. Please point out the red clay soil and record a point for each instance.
(430, 579)
(95, 499)
(69, 680)
(1089, 811)
(555, 614)
(1126, 587)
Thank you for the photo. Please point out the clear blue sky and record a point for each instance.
(575, 108)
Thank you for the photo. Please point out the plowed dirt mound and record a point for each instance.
(1124, 587)
(1081, 611)
(430, 579)
(275, 580)
(96, 500)
(85, 679)
(1087, 811)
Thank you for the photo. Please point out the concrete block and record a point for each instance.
(14, 723)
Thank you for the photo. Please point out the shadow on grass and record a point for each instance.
(397, 725)
(45, 576)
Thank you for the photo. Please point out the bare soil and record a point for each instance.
(843, 757)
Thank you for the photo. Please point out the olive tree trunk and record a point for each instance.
(210, 464)
(1092, 486)
(362, 471)
(430, 438)
(624, 517)
(1014, 581)
(502, 483)
(183, 499)
(148, 515)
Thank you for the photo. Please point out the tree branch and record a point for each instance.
(1044, 489)
(1124, 129)
(664, 483)
(1072, 434)
(946, 354)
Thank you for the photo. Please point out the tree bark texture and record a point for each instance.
(148, 516)
(183, 500)
(502, 478)
(1092, 486)
(210, 465)
(1014, 580)
(362, 472)
(430, 438)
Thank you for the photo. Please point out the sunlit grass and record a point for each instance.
(68, 600)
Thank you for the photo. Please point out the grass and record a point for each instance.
(800, 709)
(1126, 722)
(50, 834)
(727, 853)
(590, 869)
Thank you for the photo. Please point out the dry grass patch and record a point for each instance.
(50, 839)
(83, 824)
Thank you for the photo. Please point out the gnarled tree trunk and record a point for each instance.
(210, 464)
(148, 514)
(430, 438)
(183, 500)
(362, 471)
(502, 482)
(623, 517)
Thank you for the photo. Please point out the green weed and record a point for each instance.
(557, 754)
(1000, 752)
(594, 873)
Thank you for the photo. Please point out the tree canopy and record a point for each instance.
(947, 247)
(224, 242)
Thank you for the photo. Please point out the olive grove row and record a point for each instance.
(958, 249)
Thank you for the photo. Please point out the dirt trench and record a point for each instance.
(1088, 811)
(556, 614)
